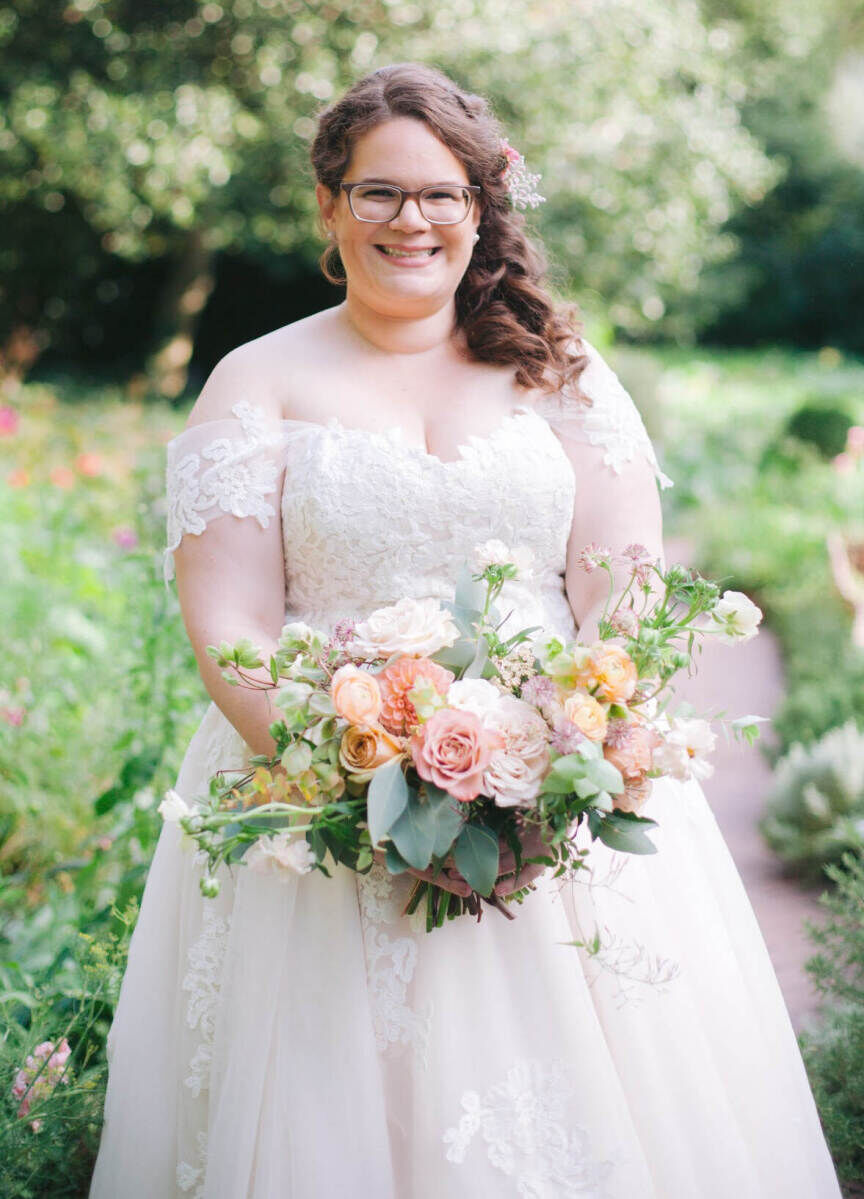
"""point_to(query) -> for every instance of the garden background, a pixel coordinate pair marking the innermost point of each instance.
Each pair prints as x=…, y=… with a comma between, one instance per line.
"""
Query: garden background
x=703, y=164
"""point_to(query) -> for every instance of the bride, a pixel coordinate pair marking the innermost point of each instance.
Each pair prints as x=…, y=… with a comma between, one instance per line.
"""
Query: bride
x=297, y=1037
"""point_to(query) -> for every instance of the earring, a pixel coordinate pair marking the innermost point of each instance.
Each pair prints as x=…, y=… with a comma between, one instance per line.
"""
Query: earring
x=476, y=238
x=331, y=235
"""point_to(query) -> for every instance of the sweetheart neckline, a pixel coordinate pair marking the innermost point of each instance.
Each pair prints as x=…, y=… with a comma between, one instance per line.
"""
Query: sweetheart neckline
x=463, y=449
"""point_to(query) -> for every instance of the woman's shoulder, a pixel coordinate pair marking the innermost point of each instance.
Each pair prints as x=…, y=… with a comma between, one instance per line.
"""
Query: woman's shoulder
x=265, y=372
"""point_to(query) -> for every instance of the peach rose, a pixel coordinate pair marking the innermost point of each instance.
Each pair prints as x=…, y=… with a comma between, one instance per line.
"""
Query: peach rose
x=363, y=750
x=355, y=694
x=586, y=713
x=635, y=792
x=610, y=670
x=452, y=750
x=398, y=715
x=630, y=746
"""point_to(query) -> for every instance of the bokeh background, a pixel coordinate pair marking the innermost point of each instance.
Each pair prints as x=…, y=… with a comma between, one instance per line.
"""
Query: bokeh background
x=703, y=164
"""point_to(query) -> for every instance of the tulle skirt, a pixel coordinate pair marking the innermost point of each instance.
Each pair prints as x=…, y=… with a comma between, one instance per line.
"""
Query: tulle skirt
x=298, y=1038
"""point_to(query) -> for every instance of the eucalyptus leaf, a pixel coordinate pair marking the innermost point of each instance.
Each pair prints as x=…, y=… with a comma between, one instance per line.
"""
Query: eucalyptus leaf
x=629, y=840
x=476, y=857
x=464, y=618
x=414, y=832
x=396, y=864
x=457, y=656
x=385, y=799
x=449, y=818
x=469, y=593
x=474, y=669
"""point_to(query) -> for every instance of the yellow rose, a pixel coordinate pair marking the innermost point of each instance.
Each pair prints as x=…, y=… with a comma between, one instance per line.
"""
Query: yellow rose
x=363, y=750
x=587, y=714
x=355, y=694
x=610, y=670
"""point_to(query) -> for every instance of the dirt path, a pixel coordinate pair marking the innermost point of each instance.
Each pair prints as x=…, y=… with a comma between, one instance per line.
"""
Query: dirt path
x=736, y=792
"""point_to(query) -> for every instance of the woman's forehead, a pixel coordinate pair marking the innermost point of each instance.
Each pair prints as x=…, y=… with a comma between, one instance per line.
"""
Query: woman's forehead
x=407, y=152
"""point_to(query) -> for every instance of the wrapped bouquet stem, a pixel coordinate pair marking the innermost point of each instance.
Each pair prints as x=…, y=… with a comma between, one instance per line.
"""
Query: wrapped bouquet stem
x=422, y=739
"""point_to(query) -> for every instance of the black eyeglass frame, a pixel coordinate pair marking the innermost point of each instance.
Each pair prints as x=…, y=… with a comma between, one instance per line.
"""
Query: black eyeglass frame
x=473, y=188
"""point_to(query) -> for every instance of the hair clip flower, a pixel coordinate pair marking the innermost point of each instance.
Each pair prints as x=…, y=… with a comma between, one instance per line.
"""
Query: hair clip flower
x=520, y=181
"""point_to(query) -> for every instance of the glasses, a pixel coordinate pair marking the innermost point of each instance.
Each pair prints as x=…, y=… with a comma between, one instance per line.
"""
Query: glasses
x=439, y=203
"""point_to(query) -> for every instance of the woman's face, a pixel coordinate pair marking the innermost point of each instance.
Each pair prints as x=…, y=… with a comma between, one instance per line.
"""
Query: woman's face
x=406, y=152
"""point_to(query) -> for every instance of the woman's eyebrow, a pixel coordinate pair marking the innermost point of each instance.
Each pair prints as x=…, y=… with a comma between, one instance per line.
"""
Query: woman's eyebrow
x=437, y=183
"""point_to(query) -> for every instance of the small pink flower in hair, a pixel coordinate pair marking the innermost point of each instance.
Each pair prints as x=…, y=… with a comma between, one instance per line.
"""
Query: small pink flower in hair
x=521, y=183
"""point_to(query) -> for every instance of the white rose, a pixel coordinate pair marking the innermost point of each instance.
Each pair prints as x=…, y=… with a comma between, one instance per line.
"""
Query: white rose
x=513, y=781
x=474, y=695
x=734, y=618
x=172, y=807
x=496, y=553
x=682, y=751
x=284, y=851
x=411, y=626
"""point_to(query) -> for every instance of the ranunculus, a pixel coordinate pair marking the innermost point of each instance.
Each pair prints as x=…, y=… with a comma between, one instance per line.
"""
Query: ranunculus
x=611, y=670
x=356, y=695
x=410, y=626
x=586, y=713
x=398, y=715
x=173, y=806
x=284, y=851
x=734, y=618
x=452, y=750
x=629, y=746
x=680, y=752
x=363, y=750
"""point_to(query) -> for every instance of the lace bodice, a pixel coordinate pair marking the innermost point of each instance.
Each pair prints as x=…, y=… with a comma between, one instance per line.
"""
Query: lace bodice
x=367, y=517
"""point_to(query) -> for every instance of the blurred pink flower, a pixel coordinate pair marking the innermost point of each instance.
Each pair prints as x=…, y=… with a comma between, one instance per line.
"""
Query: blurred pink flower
x=14, y=716
x=8, y=421
x=844, y=464
x=43, y=1069
x=89, y=464
x=18, y=477
x=855, y=441
x=125, y=537
x=62, y=476
x=592, y=555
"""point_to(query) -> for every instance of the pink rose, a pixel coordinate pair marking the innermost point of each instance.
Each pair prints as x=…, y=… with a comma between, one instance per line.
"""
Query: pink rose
x=452, y=750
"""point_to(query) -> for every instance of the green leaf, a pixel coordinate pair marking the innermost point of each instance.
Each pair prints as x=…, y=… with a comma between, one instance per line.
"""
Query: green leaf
x=465, y=619
x=469, y=593
x=414, y=832
x=617, y=835
x=476, y=856
x=474, y=669
x=385, y=799
x=449, y=818
x=457, y=656
x=396, y=864
x=604, y=774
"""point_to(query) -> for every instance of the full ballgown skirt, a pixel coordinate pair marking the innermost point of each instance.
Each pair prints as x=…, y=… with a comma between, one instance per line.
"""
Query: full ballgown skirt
x=297, y=1038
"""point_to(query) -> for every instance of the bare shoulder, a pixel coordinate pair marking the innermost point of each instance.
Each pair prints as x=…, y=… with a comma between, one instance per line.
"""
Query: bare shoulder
x=263, y=371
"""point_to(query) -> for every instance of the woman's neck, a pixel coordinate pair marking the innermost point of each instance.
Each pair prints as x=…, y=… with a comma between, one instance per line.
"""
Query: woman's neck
x=401, y=335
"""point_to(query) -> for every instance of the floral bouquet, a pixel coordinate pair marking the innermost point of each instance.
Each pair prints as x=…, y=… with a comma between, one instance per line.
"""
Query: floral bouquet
x=420, y=739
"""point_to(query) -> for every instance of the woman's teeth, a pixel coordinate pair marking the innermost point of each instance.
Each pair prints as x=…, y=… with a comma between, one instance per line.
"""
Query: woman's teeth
x=394, y=253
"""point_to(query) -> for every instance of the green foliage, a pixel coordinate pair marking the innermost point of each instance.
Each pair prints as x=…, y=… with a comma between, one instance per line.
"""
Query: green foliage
x=834, y=1053
x=815, y=809
x=822, y=425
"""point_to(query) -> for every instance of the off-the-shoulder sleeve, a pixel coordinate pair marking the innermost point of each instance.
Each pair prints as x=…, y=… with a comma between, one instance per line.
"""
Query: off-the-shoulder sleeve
x=228, y=467
x=612, y=421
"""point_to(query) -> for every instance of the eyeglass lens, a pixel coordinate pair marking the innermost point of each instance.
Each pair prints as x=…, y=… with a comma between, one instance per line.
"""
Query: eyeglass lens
x=439, y=205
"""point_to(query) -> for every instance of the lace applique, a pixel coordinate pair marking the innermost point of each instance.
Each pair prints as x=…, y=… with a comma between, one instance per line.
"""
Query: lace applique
x=239, y=476
x=524, y=1124
x=188, y=1175
x=390, y=965
x=205, y=957
x=612, y=422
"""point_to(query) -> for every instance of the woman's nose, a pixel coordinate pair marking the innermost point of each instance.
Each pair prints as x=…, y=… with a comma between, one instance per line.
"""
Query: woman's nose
x=410, y=217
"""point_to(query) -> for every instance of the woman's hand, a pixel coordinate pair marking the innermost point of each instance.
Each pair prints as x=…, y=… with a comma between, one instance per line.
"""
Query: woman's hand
x=533, y=846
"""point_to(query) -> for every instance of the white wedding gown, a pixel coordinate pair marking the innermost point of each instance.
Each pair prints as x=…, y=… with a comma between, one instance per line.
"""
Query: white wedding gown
x=296, y=1038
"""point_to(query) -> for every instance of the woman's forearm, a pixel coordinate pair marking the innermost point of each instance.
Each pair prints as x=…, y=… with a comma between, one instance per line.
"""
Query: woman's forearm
x=250, y=711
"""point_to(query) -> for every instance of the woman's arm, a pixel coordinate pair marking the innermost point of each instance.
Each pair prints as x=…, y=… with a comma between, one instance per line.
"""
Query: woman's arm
x=231, y=577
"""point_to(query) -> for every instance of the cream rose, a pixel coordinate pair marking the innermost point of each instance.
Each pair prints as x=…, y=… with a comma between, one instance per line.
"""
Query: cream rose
x=734, y=618
x=411, y=626
x=356, y=695
x=282, y=852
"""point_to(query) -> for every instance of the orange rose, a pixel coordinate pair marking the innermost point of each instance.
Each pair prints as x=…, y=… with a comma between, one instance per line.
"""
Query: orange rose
x=610, y=670
x=587, y=714
x=355, y=694
x=633, y=796
x=398, y=714
x=363, y=750
x=630, y=746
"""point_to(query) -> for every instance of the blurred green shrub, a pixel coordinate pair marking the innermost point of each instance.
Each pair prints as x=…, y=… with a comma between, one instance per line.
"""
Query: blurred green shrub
x=834, y=1053
x=815, y=809
x=823, y=425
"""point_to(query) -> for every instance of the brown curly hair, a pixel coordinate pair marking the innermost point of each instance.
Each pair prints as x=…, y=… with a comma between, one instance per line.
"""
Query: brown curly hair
x=506, y=314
